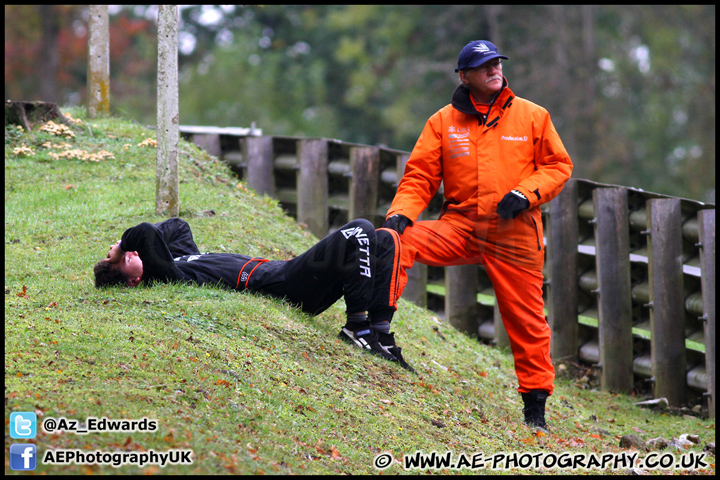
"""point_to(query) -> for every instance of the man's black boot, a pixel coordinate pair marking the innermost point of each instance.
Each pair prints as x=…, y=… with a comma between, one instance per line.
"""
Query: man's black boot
x=534, y=409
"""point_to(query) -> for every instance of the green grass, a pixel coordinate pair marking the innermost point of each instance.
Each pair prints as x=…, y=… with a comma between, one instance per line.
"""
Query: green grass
x=250, y=384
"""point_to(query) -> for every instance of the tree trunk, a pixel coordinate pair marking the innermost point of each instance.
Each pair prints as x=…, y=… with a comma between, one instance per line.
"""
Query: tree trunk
x=29, y=114
x=98, y=66
x=492, y=14
x=49, y=53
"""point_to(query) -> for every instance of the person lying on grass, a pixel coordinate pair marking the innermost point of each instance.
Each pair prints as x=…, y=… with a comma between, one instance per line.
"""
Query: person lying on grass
x=356, y=261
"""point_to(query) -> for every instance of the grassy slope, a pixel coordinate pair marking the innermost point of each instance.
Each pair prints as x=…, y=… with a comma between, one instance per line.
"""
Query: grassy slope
x=248, y=383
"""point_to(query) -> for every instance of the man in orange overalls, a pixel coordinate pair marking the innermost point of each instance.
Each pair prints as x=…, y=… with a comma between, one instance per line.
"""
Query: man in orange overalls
x=500, y=158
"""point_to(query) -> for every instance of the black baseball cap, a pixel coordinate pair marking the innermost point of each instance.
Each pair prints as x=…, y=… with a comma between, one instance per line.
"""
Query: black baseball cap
x=476, y=53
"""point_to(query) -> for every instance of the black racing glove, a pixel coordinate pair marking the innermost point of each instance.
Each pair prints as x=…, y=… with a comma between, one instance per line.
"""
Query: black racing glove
x=512, y=204
x=397, y=222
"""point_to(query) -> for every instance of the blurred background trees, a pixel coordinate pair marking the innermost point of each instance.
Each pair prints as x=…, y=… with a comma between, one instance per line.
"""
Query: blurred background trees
x=631, y=89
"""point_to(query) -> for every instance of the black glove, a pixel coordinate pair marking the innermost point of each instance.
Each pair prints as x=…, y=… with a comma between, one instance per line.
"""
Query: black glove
x=397, y=222
x=512, y=204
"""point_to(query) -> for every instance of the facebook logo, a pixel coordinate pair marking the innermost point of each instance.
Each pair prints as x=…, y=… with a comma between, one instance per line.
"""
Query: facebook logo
x=23, y=456
x=23, y=425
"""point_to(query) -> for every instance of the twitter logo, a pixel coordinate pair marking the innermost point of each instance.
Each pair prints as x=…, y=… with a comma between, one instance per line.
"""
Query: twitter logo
x=23, y=425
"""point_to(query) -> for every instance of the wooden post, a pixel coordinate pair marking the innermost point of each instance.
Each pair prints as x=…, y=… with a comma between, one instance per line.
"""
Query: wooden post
x=168, y=114
x=461, y=297
x=706, y=227
x=259, y=161
x=502, y=340
x=667, y=312
x=416, y=288
x=210, y=142
x=365, y=173
x=98, y=70
x=400, y=166
x=612, y=262
x=312, y=185
x=563, y=283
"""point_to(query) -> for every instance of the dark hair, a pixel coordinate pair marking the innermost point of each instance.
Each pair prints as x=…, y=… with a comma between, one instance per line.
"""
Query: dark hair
x=108, y=274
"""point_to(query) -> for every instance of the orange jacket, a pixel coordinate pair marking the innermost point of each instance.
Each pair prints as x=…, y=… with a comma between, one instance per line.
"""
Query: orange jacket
x=480, y=160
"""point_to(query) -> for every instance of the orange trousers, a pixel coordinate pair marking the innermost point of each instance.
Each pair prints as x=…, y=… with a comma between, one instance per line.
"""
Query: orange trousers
x=517, y=283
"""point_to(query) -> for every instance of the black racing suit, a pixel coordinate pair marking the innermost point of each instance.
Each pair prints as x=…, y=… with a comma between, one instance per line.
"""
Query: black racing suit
x=356, y=261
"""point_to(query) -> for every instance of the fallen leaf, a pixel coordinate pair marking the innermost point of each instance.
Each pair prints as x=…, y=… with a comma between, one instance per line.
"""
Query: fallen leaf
x=23, y=293
x=334, y=453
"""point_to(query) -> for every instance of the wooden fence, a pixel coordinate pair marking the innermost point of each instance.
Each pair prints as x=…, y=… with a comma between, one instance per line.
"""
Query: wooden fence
x=629, y=275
